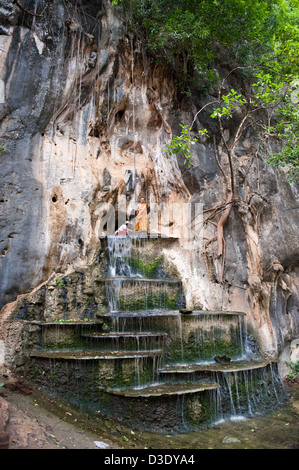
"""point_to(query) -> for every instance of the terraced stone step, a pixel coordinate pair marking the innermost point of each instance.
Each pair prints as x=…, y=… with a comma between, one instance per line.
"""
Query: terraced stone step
x=233, y=366
x=94, y=355
x=167, y=312
x=159, y=390
x=141, y=234
x=124, y=341
x=63, y=322
x=141, y=280
x=116, y=334
x=142, y=313
x=138, y=313
x=132, y=294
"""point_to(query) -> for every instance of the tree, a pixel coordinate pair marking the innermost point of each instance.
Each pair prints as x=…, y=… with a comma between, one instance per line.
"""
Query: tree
x=259, y=38
x=277, y=101
x=258, y=42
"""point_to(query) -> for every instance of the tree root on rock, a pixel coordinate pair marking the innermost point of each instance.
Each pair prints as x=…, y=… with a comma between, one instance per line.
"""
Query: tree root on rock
x=221, y=245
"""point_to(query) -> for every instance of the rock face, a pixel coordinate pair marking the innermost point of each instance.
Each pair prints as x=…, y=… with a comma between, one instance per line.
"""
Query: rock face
x=85, y=120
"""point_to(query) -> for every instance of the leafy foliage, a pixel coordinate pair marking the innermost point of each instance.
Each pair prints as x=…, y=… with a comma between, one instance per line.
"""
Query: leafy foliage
x=182, y=144
x=282, y=97
x=229, y=104
x=260, y=38
x=294, y=372
x=197, y=28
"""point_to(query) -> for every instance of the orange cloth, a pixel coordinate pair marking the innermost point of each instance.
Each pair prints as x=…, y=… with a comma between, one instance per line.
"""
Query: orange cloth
x=141, y=219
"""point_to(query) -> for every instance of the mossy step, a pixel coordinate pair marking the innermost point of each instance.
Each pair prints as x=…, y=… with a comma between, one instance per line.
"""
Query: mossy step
x=116, y=334
x=215, y=312
x=158, y=390
x=72, y=322
x=141, y=313
x=94, y=355
x=165, y=312
x=145, y=280
x=233, y=366
x=141, y=234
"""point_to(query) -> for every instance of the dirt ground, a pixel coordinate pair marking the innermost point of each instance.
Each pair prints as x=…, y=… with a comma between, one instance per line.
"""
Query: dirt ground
x=33, y=421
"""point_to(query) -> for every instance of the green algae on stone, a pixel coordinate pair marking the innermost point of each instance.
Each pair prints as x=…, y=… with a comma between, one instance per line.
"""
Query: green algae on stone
x=148, y=269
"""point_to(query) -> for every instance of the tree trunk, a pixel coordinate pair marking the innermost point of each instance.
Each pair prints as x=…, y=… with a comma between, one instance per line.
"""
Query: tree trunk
x=221, y=223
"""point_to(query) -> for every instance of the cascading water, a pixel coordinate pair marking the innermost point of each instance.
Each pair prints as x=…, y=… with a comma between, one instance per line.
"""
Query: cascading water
x=196, y=341
x=128, y=285
x=248, y=392
x=191, y=369
x=119, y=252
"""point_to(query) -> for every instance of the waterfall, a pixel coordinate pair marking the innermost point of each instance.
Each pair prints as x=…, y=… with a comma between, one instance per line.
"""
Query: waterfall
x=128, y=286
x=112, y=290
x=119, y=252
x=248, y=392
x=192, y=368
x=277, y=384
x=246, y=352
x=229, y=388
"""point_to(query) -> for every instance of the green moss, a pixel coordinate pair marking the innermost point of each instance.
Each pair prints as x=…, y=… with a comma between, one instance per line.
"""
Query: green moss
x=32, y=371
x=201, y=409
x=137, y=373
x=68, y=343
x=147, y=269
x=178, y=351
x=159, y=299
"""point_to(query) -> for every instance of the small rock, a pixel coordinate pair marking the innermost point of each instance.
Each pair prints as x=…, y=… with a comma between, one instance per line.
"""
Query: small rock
x=222, y=359
x=231, y=440
x=101, y=445
x=18, y=386
x=184, y=311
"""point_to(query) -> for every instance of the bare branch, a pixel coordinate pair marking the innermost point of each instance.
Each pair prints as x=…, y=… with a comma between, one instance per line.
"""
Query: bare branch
x=24, y=9
x=239, y=133
x=217, y=159
x=221, y=224
x=201, y=109
x=229, y=159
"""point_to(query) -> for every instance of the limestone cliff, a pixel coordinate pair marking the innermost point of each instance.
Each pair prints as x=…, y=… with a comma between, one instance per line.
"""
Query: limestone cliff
x=85, y=118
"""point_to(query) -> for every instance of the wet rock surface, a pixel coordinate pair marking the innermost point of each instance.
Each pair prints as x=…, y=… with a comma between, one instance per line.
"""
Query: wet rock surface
x=35, y=422
x=85, y=119
x=28, y=422
x=81, y=127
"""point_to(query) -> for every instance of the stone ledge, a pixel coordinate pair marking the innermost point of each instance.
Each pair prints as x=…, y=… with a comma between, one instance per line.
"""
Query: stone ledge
x=162, y=390
x=234, y=366
x=94, y=355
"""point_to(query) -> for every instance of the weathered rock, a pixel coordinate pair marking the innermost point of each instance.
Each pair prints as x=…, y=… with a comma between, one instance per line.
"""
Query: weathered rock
x=185, y=311
x=101, y=445
x=82, y=127
x=4, y=440
x=296, y=406
x=222, y=359
x=18, y=386
x=231, y=440
x=4, y=414
x=294, y=356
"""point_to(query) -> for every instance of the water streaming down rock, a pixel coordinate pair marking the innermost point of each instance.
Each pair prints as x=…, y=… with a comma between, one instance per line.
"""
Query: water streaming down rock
x=249, y=392
x=191, y=369
x=129, y=287
x=200, y=339
x=119, y=252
